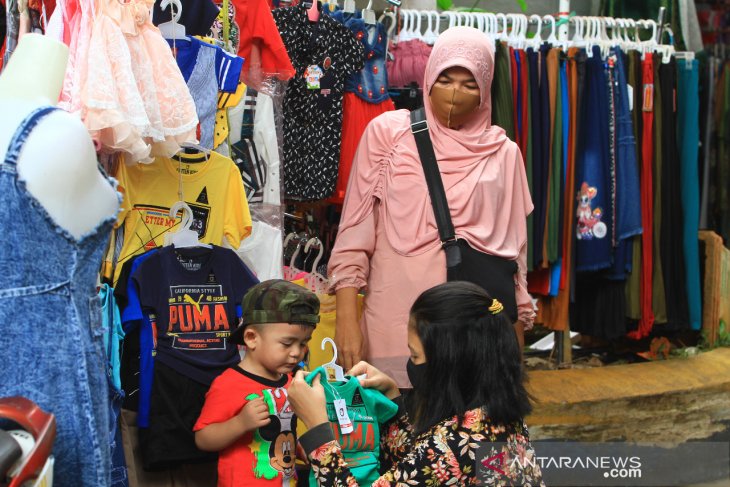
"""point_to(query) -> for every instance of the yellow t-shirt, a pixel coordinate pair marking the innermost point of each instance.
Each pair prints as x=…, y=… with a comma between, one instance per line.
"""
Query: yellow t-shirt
x=213, y=189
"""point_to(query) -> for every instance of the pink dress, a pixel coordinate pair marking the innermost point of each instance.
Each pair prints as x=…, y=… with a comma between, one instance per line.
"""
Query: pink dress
x=124, y=82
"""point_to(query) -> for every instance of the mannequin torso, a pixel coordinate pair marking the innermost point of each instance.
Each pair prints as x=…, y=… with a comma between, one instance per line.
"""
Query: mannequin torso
x=58, y=160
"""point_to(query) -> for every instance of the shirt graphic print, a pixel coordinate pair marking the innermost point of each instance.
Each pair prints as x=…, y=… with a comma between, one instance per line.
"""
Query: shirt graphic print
x=267, y=455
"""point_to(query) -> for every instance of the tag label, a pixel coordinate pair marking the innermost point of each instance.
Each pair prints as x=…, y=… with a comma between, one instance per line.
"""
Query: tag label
x=313, y=74
x=342, y=417
x=630, y=89
x=331, y=374
x=648, y=103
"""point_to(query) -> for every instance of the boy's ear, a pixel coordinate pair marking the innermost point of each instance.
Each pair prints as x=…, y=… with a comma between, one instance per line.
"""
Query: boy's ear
x=251, y=337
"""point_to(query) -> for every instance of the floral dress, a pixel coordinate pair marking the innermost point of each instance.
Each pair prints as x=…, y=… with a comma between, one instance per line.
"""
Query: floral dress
x=449, y=453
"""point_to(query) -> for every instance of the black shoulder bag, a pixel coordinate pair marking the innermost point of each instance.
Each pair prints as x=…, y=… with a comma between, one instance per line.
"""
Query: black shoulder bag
x=463, y=263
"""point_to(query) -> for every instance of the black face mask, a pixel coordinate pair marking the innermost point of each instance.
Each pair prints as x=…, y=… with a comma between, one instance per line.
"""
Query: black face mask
x=416, y=373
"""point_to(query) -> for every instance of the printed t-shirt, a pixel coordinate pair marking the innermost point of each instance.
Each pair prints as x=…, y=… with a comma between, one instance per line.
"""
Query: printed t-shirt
x=262, y=457
x=194, y=294
x=213, y=189
x=367, y=410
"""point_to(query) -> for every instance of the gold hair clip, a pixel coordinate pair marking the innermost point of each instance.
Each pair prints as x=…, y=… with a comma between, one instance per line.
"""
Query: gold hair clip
x=496, y=307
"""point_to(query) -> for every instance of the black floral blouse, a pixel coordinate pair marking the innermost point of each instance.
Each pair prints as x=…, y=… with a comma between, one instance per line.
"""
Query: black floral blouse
x=313, y=111
x=446, y=454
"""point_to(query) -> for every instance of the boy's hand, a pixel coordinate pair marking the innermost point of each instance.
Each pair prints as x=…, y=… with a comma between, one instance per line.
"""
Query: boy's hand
x=254, y=414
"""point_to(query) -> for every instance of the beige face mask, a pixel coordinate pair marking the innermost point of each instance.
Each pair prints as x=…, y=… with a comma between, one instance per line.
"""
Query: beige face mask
x=453, y=107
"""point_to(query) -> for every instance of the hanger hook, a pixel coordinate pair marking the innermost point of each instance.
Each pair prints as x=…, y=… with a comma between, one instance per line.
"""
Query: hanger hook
x=334, y=349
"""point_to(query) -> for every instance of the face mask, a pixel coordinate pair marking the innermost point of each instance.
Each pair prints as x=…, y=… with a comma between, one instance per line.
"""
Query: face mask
x=416, y=373
x=453, y=107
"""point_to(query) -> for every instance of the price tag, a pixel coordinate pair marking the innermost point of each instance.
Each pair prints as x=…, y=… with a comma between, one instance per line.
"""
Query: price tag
x=342, y=417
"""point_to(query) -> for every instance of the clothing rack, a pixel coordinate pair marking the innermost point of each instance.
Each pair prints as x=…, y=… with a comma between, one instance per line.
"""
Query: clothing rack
x=425, y=25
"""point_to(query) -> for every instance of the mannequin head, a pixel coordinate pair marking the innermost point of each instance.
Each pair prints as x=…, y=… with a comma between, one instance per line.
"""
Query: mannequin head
x=455, y=97
x=35, y=70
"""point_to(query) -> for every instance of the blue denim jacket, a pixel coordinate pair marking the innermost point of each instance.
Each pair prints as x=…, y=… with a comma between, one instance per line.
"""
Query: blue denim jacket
x=52, y=349
x=371, y=82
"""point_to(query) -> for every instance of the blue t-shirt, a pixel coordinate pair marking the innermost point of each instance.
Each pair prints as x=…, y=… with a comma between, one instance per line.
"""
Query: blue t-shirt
x=133, y=317
x=194, y=294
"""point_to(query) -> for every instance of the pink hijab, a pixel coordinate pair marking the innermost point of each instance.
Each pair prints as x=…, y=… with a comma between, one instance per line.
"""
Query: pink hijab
x=481, y=168
x=468, y=48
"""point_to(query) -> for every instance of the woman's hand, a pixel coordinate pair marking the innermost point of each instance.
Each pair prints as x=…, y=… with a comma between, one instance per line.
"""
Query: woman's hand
x=375, y=379
x=350, y=343
x=348, y=335
x=308, y=402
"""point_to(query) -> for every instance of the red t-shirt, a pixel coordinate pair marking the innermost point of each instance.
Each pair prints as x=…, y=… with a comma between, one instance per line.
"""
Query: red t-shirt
x=263, y=457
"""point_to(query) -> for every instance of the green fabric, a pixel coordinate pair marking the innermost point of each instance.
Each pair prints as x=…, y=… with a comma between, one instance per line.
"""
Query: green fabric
x=528, y=167
x=367, y=409
x=659, y=302
x=502, y=102
x=554, y=224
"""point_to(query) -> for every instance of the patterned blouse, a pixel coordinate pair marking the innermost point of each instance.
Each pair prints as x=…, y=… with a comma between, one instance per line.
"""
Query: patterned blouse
x=448, y=453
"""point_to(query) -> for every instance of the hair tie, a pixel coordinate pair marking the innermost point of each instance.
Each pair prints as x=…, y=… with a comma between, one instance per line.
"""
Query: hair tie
x=496, y=307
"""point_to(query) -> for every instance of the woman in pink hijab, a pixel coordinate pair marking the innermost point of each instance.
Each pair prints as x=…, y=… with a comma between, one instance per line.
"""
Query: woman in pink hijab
x=388, y=243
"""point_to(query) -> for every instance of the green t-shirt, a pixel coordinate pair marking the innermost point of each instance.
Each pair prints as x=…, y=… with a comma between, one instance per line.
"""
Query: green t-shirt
x=367, y=410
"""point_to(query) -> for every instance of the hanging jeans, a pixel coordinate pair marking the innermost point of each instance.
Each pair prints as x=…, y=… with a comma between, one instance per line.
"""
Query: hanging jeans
x=52, y=344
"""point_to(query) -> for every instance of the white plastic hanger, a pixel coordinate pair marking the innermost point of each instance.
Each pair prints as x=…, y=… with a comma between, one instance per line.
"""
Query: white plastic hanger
x=387, y=14
x=333, y=370
x=291, y=272
x=452, y=19
x=368, y=14
x=492, y=26
x=419, y=33
x=413, y=31
x=551, y=38
x=349, y=7
x=315, y=282
x=580, y=29
x=536, y=41
x=431, y=35
x=172, y=29
x=502, y=34
x=183, y=238
x=403, y=32
x=437, y=21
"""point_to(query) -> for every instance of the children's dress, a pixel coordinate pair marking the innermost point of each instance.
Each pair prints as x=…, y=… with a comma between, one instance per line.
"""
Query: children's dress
x=123, y=81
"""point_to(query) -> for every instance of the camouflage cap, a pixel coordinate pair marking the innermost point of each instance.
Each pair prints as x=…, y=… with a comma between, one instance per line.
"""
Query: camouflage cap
x=277, y=301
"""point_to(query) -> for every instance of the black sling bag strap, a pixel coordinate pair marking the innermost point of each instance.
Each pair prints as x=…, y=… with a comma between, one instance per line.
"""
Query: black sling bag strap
x=463, y=263
x=419, y=128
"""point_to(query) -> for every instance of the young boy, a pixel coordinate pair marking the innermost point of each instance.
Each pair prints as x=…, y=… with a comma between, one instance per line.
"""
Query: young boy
x=246, y=416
